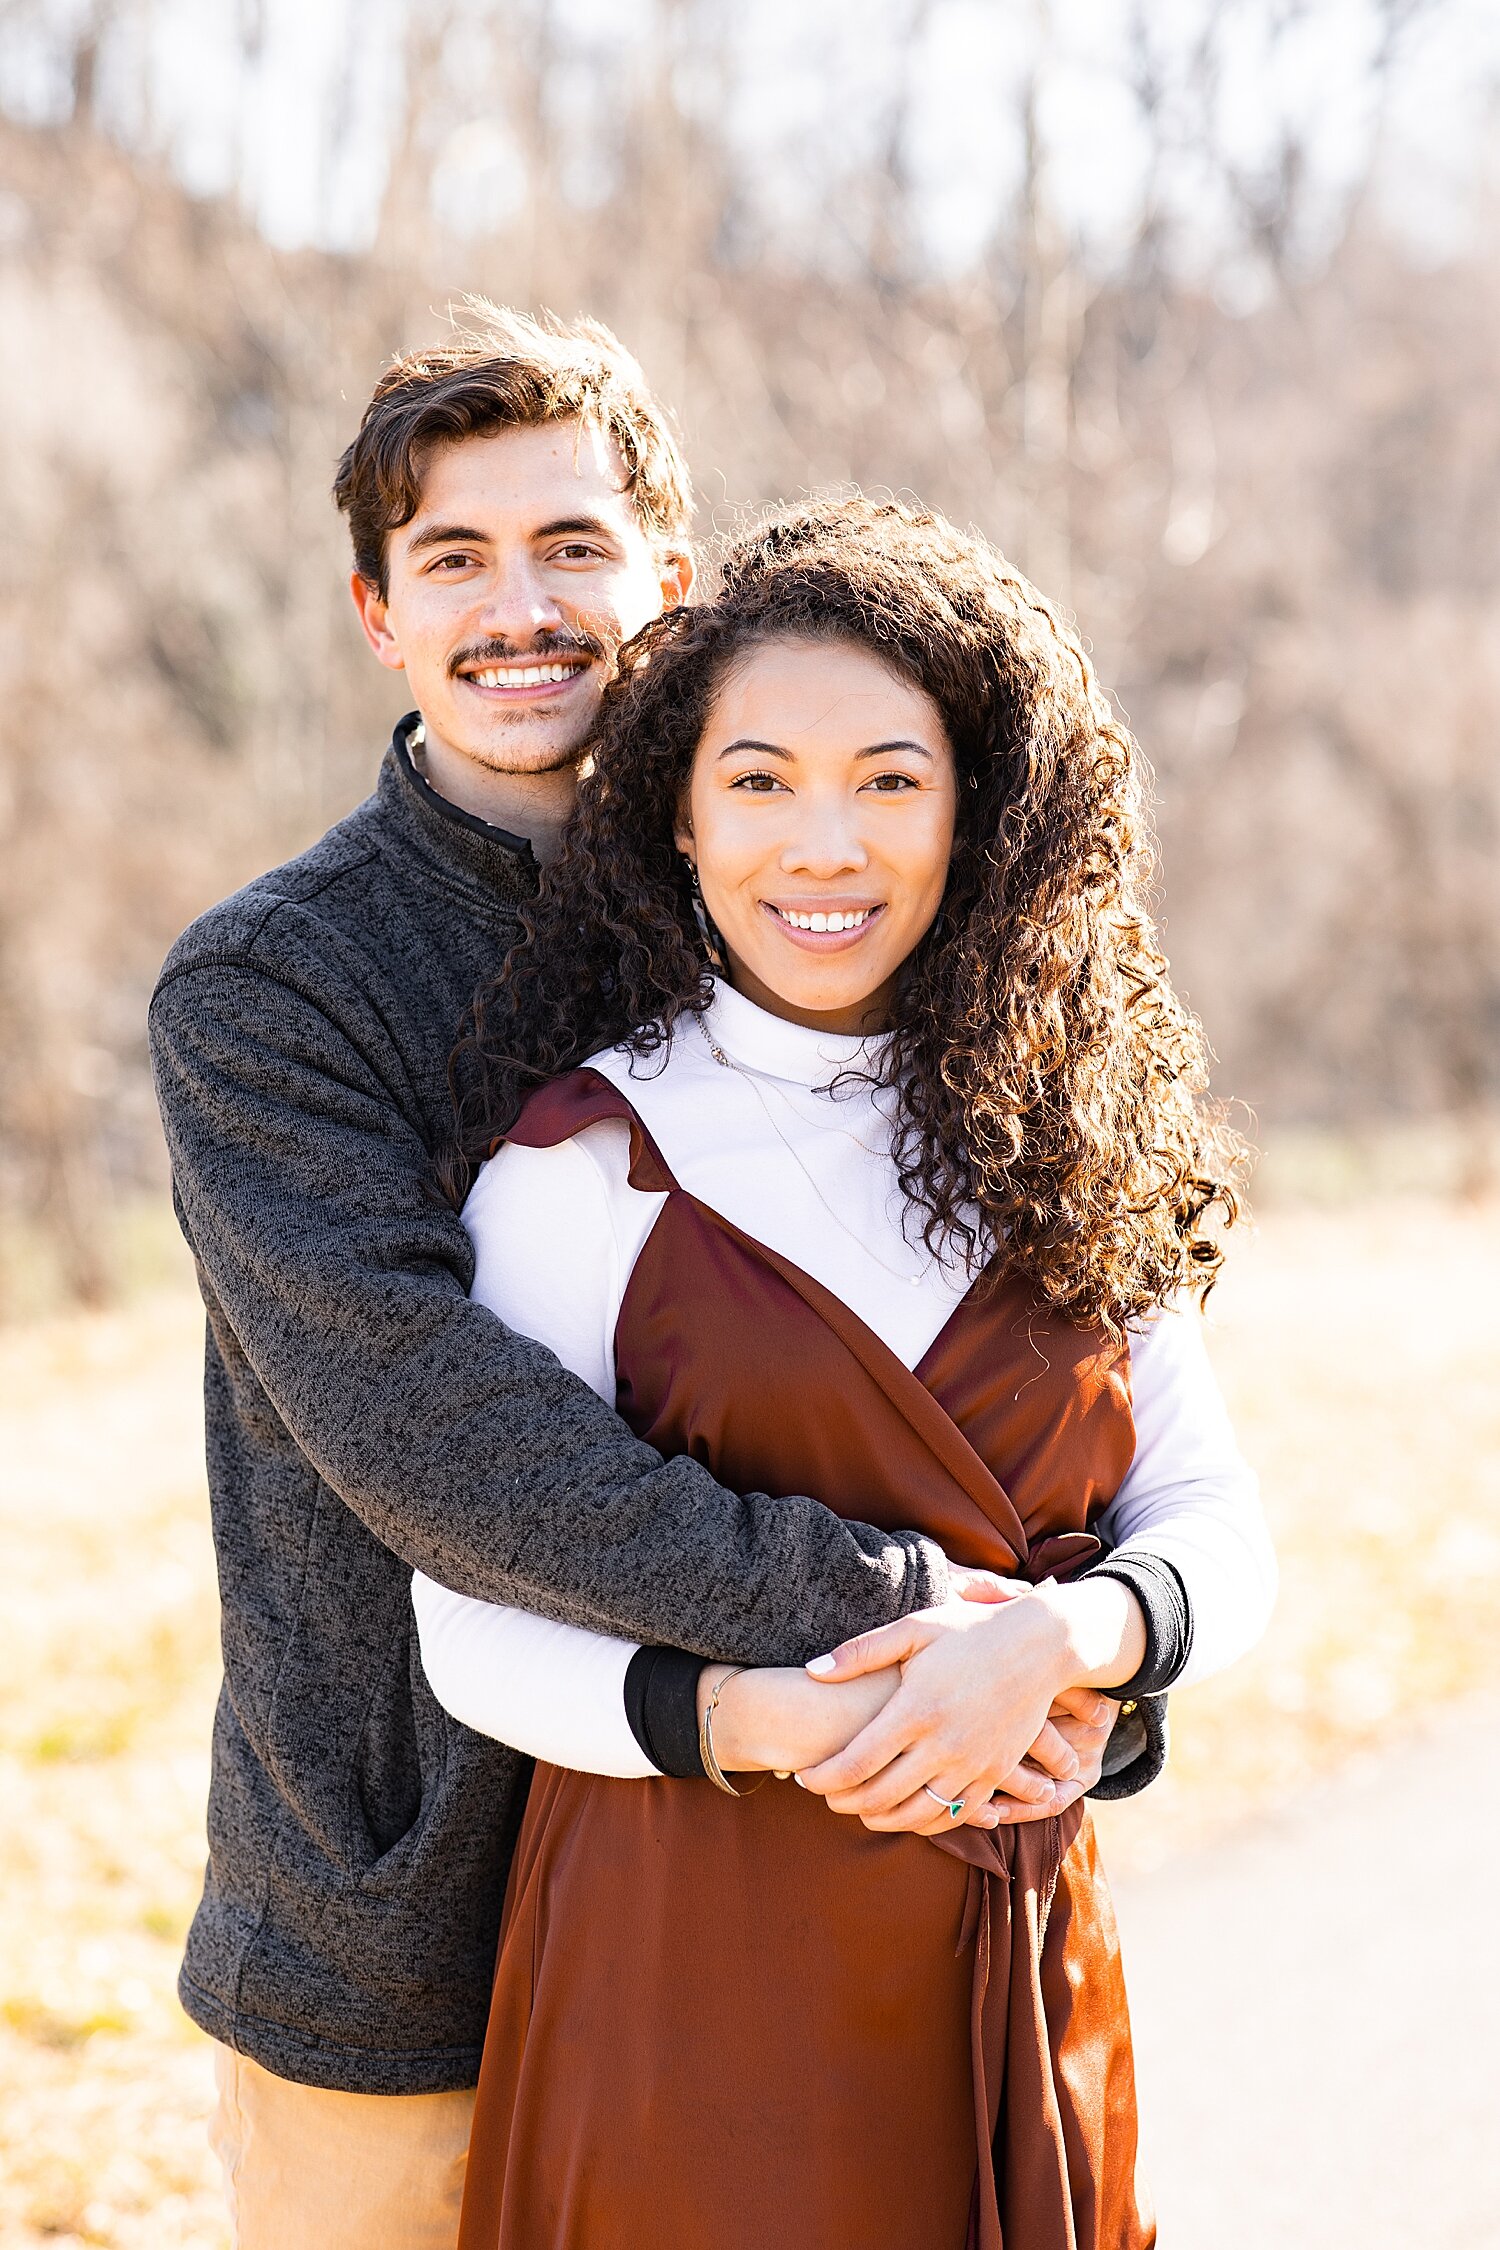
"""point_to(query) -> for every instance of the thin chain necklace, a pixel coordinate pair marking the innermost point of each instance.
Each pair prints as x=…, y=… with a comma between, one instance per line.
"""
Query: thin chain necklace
x=752, y=1078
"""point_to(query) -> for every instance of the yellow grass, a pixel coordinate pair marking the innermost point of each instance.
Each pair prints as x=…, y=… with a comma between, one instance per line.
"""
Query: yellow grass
x=1361, y=1351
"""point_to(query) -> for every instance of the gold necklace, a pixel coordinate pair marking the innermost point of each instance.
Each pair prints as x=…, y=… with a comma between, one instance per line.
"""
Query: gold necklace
x=752, y=1078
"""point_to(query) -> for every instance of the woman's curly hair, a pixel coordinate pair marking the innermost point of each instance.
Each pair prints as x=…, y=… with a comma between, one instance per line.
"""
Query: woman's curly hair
x=1043, y=1070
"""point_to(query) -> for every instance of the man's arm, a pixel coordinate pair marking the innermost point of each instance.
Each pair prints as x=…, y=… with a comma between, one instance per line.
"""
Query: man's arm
x=307, y=1196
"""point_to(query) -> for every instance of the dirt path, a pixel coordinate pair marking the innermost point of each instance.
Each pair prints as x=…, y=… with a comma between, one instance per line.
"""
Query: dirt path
x=1317, y=2014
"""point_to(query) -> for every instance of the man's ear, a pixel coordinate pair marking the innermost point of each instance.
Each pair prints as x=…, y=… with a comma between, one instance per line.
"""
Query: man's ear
x=677, y=574
x=375, y=618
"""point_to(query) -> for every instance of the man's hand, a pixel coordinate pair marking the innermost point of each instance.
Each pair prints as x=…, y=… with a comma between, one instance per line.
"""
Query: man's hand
x=966, y=1584
x=1085, y=1721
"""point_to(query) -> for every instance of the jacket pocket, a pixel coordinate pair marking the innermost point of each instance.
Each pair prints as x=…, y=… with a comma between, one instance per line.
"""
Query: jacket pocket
x=396, y=1772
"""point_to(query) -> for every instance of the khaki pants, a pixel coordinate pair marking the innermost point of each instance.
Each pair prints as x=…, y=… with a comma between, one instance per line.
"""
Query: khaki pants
x=306, y=2169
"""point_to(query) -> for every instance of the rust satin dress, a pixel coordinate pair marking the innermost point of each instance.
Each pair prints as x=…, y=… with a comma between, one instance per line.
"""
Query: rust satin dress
x=752, y=2024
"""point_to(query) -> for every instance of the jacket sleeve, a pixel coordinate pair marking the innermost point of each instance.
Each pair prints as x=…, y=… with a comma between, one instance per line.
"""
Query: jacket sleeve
x=307, y=1196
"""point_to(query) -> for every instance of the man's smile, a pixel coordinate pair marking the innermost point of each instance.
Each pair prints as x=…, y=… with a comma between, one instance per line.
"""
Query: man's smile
x=533, y=682
x=522, y=675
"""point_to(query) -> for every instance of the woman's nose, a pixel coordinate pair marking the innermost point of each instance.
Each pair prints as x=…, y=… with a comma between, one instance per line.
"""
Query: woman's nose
x=824, y=844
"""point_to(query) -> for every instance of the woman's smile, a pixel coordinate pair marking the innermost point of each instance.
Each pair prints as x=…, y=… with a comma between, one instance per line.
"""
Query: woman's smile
x=828, y=936
x=819, y=823
x=830, y=926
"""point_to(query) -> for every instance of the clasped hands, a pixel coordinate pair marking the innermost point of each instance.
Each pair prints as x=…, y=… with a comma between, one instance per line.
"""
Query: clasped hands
x=990, y=1698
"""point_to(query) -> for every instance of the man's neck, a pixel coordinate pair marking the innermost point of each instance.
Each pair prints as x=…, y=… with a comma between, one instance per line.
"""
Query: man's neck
x=533, y=805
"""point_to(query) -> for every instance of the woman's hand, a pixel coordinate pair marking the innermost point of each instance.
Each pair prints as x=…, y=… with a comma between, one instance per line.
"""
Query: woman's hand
x=1085, y=1721
x=775, y=1718
x=970, y=1718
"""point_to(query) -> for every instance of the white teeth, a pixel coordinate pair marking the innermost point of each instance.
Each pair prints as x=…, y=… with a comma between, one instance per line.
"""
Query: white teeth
x=832, y=923
x=526, y=675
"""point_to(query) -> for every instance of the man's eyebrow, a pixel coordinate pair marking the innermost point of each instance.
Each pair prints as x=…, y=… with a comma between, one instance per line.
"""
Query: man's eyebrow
x=595, y=525
x=446, y=534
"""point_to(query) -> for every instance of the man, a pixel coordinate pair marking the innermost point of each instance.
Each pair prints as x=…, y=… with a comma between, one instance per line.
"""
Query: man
x=517, y=507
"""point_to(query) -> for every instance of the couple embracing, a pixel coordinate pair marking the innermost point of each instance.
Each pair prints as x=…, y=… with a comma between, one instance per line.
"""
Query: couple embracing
x=698, y=1187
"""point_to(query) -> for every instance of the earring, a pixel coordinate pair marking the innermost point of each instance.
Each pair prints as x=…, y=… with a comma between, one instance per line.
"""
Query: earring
x=712, y=943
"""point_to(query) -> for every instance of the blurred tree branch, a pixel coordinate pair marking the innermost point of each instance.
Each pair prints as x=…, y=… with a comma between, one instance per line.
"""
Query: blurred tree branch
x=1275, y=511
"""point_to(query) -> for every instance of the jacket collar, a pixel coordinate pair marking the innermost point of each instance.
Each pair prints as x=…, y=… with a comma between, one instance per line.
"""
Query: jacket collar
x=490, y=860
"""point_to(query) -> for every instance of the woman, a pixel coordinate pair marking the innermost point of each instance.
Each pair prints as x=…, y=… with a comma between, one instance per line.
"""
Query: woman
x=841, y=1084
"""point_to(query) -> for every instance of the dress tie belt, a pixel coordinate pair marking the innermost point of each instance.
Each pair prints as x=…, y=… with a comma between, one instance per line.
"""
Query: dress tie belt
x=1008, y=1869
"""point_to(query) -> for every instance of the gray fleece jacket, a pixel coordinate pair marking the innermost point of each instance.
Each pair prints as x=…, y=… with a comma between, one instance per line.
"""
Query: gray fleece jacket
x=364, y=1416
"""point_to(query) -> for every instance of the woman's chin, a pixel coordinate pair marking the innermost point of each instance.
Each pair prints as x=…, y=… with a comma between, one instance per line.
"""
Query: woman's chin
x=838, y=1004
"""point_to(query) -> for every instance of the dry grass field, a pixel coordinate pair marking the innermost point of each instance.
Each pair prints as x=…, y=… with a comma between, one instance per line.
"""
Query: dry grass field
x=1361, y=1349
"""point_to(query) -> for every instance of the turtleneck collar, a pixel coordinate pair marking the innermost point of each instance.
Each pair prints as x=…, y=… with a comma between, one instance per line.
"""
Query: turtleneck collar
x=501, y=865
x=778, y=1049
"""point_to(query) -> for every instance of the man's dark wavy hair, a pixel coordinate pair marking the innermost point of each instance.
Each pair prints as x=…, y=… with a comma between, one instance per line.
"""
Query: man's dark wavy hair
x=498, y=369
x=1043, y=1069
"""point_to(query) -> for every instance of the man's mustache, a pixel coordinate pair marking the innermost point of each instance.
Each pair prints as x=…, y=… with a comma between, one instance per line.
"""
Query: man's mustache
x=546, y=648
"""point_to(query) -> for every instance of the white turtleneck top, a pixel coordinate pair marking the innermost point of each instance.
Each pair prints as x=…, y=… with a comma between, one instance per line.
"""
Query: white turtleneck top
x=804, y=1166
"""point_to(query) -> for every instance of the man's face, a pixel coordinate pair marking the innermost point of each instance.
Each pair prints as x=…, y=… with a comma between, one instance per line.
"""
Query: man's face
x=511, y=589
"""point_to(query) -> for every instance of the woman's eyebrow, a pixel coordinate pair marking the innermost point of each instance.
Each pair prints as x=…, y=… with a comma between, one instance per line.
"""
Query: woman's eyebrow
x=872, y=750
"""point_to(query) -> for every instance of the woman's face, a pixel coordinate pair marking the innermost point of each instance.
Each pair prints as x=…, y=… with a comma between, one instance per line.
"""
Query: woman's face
x=820, y=819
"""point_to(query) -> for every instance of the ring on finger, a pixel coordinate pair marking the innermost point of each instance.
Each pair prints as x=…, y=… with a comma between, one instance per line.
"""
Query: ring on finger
x=952, y=1806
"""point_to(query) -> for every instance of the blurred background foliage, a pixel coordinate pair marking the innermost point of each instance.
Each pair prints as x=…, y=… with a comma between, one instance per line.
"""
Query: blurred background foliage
x=1192, y=310
x=1192, y=306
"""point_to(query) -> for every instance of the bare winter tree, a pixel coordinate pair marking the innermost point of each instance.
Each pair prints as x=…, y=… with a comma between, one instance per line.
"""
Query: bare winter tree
x=1274, y=508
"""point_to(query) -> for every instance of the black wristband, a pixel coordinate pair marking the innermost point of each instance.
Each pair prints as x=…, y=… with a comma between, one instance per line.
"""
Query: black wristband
x=1136, y=1751
x=1159, y=1589
x=661, y=1704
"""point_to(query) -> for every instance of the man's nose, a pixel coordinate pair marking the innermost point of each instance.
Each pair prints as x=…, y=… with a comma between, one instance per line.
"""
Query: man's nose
x=518, y=604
